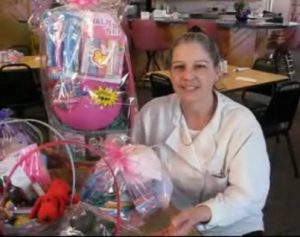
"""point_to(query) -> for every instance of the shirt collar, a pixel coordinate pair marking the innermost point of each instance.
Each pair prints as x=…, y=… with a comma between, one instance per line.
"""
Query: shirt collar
x=212, y=126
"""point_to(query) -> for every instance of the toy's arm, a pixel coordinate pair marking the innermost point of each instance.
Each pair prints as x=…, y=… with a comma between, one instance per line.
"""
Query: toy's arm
x=36, y=207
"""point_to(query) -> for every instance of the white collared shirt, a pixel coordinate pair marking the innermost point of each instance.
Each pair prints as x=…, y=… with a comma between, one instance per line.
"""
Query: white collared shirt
x=226, y=167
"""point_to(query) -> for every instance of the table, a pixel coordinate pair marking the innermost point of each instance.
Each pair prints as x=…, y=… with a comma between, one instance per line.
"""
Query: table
x=34, y=62
x=230, y=83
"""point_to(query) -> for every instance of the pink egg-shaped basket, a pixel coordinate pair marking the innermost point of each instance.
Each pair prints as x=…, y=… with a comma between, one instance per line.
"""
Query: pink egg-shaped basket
x=85, y=114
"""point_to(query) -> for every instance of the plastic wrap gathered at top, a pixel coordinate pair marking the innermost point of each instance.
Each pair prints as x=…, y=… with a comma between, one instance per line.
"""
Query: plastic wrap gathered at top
x=87, y=77
x=144, y=185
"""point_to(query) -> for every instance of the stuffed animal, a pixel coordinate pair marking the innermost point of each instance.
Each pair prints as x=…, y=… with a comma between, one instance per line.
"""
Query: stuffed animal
x=51, y=206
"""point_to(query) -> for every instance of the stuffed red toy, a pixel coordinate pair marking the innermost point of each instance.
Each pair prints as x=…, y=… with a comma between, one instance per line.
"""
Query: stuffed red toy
x=51, y=206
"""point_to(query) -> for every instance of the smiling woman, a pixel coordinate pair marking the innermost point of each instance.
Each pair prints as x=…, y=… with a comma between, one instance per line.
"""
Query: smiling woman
x=193, y=77
x=212, y=147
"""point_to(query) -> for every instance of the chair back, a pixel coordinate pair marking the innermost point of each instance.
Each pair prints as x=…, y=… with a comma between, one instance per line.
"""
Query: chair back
x=284, y=61
x=147, y=36
x=160, y=85
x=283, y=106
x=207, y=26
x=266, y=65
x=17, y=85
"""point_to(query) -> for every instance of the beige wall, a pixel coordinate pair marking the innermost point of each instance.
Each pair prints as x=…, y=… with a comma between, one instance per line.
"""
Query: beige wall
x=11, y=31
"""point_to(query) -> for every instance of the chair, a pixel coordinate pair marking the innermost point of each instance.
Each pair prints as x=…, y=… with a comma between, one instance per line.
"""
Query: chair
x=284, y=61
x=284, y=42
x=207, y=26
x=277, y=117
x=148, y=37
x=266, y=65
x=18, y=88
x=25, y=49
x=160, y=85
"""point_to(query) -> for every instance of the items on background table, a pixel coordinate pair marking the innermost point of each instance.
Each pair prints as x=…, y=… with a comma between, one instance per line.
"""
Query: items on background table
x=10, y=56
x=144, y=185
x=88, y=86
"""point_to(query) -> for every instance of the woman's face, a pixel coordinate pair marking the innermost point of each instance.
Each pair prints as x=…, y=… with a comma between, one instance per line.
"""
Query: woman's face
x=192, y=71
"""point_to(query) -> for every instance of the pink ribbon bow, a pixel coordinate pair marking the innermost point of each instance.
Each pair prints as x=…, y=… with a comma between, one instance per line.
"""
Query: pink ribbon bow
x=83, y=2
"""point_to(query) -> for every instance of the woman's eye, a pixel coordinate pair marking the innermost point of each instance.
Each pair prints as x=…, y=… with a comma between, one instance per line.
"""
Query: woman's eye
x=178, y=67
x=199, y=66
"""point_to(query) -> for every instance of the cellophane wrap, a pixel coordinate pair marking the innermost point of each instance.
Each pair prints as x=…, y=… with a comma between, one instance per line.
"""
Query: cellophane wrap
x=87, y=77
x=81, y=219
x=144, y=185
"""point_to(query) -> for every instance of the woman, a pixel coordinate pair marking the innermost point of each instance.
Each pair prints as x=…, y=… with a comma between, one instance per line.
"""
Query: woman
x=212, y=147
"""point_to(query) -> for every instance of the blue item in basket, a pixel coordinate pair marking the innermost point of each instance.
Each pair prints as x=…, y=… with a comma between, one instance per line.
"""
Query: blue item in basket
x=54, y=35
x=71, y=45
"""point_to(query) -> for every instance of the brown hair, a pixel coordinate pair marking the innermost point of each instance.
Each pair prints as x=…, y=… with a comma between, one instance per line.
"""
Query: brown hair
x=202, y=39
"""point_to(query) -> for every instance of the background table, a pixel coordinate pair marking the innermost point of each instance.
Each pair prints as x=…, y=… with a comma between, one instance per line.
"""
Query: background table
x=229, y=82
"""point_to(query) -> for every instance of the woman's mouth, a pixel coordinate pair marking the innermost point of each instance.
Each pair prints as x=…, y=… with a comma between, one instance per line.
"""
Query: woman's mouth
x=189, y=88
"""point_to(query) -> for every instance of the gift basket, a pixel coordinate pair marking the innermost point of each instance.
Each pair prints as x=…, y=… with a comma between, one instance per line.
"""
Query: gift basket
x=126, y=185
x=39, y=200
x=144, y=185
x=86, y=77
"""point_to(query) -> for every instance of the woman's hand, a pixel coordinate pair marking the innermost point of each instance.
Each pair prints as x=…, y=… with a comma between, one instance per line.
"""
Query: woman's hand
x=183, y=223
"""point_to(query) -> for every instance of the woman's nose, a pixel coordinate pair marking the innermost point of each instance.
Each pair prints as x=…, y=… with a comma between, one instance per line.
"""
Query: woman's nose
x=188, y=74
